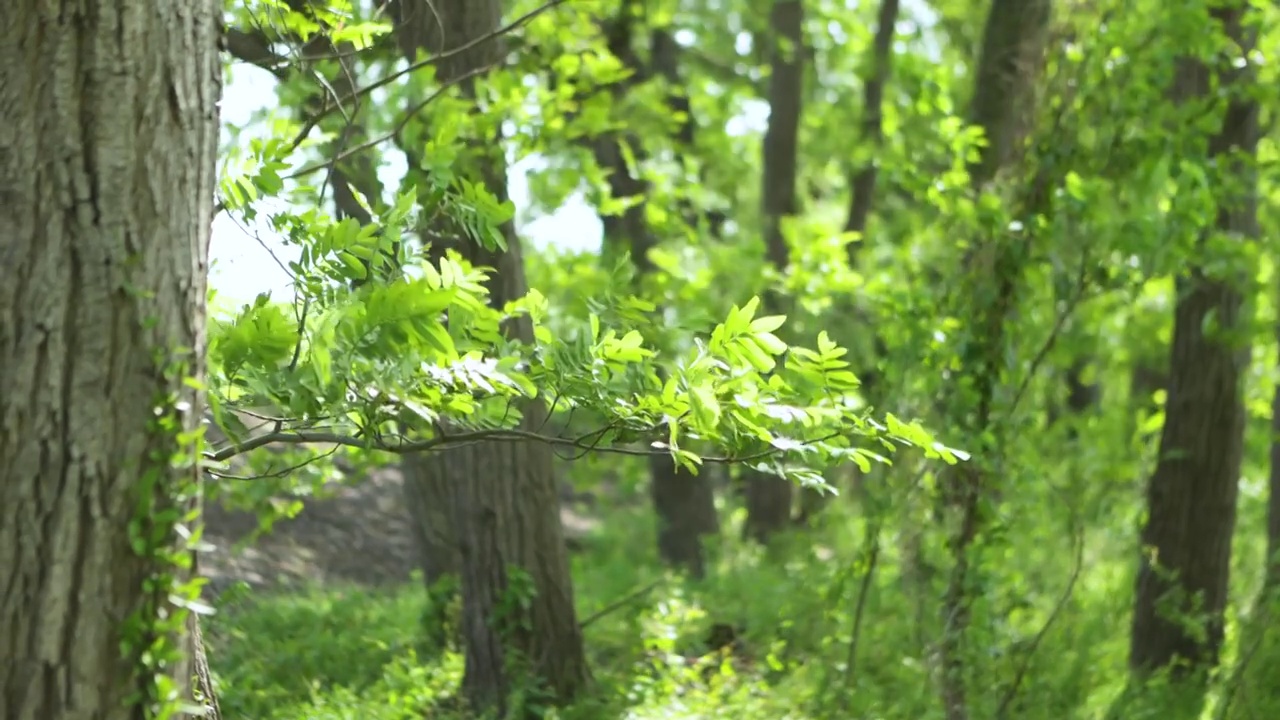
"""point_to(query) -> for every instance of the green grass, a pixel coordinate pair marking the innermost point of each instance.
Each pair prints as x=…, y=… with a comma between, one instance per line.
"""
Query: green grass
x=329, y=653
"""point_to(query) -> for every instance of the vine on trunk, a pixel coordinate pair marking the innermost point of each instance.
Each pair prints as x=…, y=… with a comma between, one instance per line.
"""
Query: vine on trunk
x=165, y=531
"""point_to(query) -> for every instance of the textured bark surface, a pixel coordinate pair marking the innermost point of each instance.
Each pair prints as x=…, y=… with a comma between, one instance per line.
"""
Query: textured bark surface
x=502, y=494
x=1191, y=497
x=203, y=692
x=769, y=498
x=506, y=515
x=108, y=138
x=426, y=494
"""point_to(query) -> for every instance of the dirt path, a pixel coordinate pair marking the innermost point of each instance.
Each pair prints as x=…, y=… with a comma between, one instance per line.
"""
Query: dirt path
x=361, y=535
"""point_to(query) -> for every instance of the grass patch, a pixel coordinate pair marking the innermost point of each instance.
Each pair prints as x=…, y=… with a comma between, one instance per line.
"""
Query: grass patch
x=328, y=653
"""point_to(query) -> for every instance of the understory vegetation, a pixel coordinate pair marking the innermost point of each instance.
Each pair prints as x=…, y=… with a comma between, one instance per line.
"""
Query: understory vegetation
x=878, y=359
x=927, y=349
x=768, y=635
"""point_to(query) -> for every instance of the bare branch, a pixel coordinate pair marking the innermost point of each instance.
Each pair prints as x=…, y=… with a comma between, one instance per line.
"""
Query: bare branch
x=400, y=126
x=253, y=49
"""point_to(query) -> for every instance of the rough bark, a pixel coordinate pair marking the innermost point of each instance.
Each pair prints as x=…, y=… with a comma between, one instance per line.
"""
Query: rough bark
x=1012, y=48
x=1191, y=497
x=505, y=511
x=108, y=139
x=502, y=494
x=426, y=494
x=769, y=498
x=203, y=692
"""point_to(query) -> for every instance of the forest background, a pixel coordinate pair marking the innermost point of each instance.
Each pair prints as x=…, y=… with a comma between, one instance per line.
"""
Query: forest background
x=909, y=359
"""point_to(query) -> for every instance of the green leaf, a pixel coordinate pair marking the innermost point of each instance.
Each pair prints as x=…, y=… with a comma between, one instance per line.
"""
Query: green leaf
x=767, y=323
x=440, y=341
x=705, y=406
x=352, y=265
x=769, y=343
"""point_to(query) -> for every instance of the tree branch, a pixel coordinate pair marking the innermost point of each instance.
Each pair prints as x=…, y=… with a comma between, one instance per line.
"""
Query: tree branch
x=252, y=48
x=443, y=440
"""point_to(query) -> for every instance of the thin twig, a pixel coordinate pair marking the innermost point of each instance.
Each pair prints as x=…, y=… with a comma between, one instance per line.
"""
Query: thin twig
x=619, y=604
x=1051, y=341
x=275, y=473
x=394, y=132
x=425, y=62
x=864, y=591
x=1076, y=567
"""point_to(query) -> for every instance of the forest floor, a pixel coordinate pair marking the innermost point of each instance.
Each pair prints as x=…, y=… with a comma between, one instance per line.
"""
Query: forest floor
x=361, y=535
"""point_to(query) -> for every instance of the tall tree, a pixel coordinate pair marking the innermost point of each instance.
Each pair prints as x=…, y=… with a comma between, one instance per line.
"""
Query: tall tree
x=862, y=191
x=1273, y=496
x=768, y=497
x=1012, y=48
x=1191, y=497
x=502, y=495
x=863, y=181
x=1250, y=691
x=684, y=502
x=109, y=110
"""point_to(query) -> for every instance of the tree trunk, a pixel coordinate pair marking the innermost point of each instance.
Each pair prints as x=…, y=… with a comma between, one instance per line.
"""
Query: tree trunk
x=684, y=503
x=425, y=484
x=1273, y=489
x=862, y=194
x=516, y=588
x=1191, y=498
x=1076, y=398
x=108, y=141
x=1012, y=51
x=507, y=517
x=1250, y=693
x=769, y=498
x=863, y=183
x=426, y=494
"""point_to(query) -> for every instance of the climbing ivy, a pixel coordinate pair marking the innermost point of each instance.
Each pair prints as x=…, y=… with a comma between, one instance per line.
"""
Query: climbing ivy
x=165, y=532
